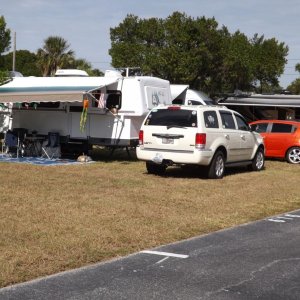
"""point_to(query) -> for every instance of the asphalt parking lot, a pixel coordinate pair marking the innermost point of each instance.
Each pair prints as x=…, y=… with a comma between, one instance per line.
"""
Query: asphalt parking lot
x=259, y=260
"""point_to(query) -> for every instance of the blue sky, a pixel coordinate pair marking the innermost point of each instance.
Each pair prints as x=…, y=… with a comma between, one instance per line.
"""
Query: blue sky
x=85, y=24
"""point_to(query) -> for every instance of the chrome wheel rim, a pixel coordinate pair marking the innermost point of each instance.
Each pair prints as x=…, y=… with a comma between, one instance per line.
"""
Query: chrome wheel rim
x=259, y=160
x=294, y=156
x=219, y=166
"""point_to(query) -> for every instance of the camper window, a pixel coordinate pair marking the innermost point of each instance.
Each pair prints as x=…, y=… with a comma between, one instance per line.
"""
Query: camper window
x=113, y=100
x=96, y=94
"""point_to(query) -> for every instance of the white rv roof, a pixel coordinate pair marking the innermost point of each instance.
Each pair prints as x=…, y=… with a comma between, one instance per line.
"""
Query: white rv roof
x=51, y=89
x=70, y=72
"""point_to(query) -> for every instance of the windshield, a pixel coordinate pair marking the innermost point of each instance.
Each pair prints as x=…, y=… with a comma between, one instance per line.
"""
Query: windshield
x=172, y=117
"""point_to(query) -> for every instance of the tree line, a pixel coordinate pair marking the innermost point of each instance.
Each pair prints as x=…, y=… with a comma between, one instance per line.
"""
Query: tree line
x=181, y=49
x=198, y=52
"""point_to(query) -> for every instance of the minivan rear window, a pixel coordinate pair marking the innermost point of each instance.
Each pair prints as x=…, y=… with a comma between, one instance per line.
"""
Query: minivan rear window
x=178, y=117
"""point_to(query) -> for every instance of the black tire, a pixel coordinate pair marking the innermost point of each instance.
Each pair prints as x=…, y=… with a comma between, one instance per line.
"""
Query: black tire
x=155, y=169
x=216, y=168
x=258, y=161
x=293, y=155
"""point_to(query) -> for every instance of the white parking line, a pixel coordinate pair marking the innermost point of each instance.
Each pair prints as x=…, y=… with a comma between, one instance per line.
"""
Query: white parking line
x=292, y=216
x=162, y=260
x=165, y=254
x=285, y=218
x=276, y=221
x=280, y=219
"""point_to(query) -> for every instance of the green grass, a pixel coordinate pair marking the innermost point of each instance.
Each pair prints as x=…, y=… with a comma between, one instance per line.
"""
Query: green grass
x=58, y=218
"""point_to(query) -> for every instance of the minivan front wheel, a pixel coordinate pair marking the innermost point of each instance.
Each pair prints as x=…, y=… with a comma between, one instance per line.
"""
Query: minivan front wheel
x=155, y=169
x=216, y=168
x=293, y=155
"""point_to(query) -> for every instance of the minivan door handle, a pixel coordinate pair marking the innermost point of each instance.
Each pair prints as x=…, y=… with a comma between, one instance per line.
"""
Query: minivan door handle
x=226, y=136
x=243, y=137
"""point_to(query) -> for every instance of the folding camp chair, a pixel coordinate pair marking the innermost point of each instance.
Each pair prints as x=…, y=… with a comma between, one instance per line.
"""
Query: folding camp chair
x=52, y=147
x=13, y=143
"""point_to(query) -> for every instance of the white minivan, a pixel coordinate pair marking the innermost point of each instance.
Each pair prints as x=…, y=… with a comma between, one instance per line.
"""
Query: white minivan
x=204, y=135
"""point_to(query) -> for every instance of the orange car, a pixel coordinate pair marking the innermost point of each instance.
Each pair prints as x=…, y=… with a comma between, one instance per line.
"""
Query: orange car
x=281, y=138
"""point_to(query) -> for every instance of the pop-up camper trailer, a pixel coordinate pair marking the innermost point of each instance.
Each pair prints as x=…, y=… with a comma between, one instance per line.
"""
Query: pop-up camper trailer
x=183, y=95
x=87, y=111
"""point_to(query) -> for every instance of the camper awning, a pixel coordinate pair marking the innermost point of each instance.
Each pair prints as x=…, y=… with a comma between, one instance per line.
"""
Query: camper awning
x=51, y=89
x=263, y=100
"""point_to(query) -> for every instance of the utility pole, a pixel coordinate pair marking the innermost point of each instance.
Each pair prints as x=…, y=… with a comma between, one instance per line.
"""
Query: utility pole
x=14, y=53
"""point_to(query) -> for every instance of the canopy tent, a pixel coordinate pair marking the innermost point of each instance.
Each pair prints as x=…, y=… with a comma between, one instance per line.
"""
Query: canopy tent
x=52, y=89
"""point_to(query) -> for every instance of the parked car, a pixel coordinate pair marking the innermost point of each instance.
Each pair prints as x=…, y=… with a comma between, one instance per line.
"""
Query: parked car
x=281, y=137
x=210, y=136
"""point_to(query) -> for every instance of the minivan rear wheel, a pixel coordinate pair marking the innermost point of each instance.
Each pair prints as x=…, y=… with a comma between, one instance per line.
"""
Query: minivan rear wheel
x=216, y=168
x=155, y=169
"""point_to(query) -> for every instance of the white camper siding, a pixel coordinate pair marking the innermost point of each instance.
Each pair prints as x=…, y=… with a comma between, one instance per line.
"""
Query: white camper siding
x=74, y=125
x=135, y=127
x=132, y=97
x=142, y=94
x=41, y=121
x=101, y=126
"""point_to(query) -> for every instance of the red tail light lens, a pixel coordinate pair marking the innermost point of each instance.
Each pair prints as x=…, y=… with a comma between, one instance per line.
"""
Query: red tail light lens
x=200, y=140
x=174, y=107
x=141, y=137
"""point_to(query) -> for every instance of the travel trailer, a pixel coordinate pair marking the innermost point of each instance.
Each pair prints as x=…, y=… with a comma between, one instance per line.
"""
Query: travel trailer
x=85, y=111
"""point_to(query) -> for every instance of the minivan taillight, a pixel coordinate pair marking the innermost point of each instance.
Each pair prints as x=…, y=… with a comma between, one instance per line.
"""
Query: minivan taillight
x=200, y=140
x=141, y=137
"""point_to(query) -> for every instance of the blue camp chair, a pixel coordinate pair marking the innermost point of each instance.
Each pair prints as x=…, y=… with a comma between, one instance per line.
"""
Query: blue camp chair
x=14, y=143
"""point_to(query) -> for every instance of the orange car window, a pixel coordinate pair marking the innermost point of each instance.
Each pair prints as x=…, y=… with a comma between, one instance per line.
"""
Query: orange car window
x=282, y=128
x=261, y=127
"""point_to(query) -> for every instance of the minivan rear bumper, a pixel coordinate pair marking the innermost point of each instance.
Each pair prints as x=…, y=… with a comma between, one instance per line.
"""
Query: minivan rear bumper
x=197, y=157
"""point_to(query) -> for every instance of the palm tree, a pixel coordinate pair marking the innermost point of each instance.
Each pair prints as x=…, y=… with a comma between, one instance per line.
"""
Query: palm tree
x=54, y=55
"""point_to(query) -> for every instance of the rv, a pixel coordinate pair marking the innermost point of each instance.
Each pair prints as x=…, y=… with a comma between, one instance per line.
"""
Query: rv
x=263, y=106
x=85, y=111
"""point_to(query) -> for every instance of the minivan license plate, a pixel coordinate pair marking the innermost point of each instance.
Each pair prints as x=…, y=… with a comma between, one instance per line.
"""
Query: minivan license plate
x=167, y=141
